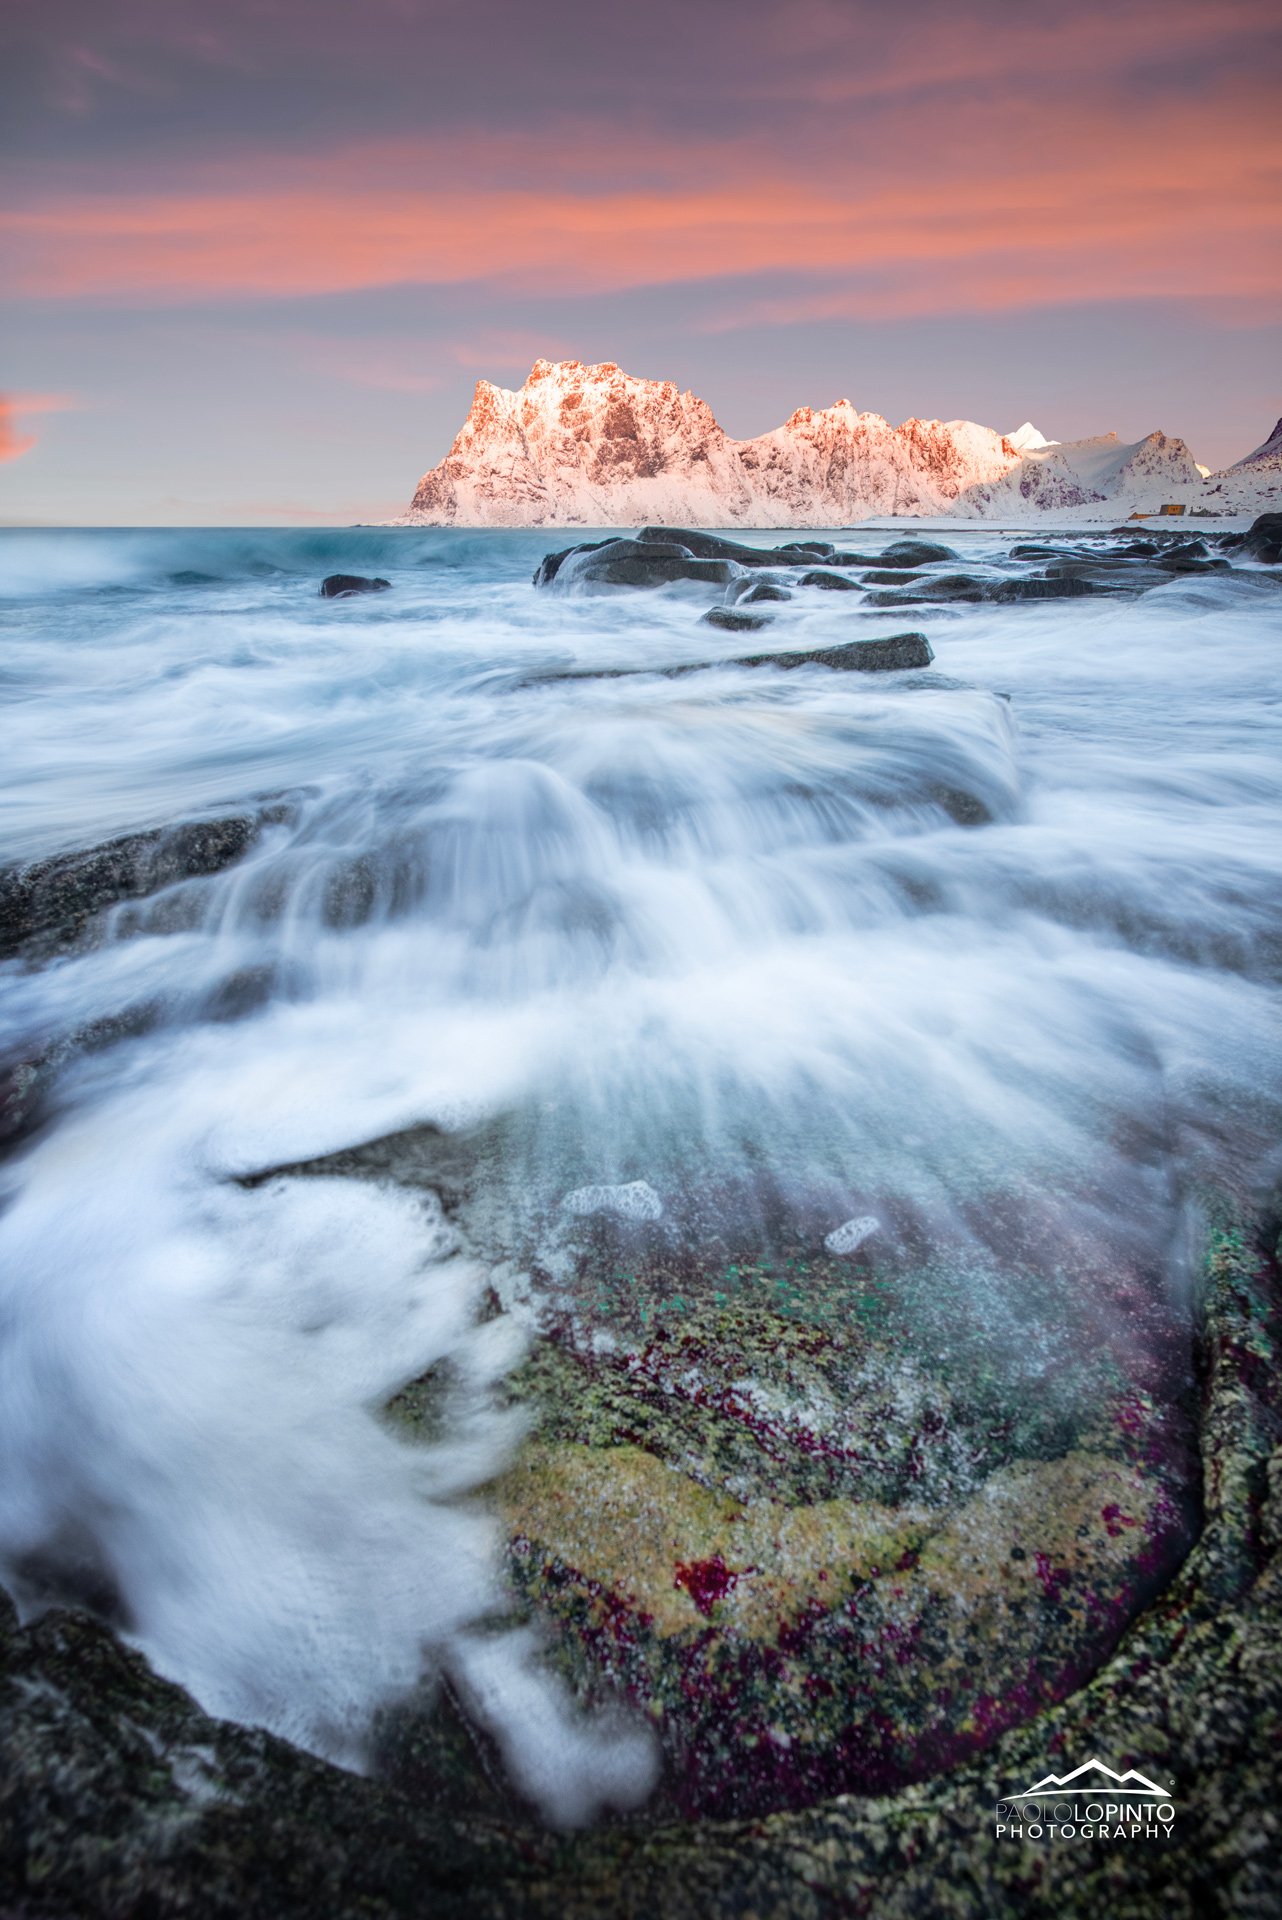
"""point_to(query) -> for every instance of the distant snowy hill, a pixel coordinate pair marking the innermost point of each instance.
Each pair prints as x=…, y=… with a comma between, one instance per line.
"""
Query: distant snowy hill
x=593, y=446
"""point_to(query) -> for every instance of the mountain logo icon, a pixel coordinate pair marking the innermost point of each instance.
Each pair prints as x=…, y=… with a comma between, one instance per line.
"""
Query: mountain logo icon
x=1094, y=1776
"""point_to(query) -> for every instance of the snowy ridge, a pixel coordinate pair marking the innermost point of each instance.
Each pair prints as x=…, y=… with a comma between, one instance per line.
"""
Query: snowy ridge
x=593, y=446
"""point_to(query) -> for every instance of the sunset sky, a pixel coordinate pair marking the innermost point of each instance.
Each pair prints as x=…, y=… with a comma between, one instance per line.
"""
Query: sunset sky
x=256, y=254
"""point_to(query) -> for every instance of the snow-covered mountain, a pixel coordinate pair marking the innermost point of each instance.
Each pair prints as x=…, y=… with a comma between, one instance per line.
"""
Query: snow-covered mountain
x=1057, y=474
x=1266, y=458
x=593, y=446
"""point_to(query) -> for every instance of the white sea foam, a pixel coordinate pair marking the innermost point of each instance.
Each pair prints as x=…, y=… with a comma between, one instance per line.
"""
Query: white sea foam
x=718, y=939
x=634, y=1200
x=851, y=1234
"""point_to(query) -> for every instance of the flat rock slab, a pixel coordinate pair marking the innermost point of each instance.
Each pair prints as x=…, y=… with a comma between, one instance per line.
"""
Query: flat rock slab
x=894, y=654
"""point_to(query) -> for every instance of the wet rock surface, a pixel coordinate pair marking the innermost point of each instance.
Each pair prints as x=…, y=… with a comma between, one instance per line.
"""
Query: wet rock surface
x=118, y=1796
x=49, y=903
x=664, y=554
x=633, y=563
x=344, y=586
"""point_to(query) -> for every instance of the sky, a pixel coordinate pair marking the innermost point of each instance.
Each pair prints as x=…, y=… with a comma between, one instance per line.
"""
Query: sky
x=255, y=255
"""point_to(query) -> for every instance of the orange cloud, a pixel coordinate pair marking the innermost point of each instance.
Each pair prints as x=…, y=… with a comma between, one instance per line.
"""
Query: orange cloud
x=977, y=215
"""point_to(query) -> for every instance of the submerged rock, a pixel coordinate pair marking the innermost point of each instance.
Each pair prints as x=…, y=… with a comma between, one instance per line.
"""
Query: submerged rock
x=342, y=586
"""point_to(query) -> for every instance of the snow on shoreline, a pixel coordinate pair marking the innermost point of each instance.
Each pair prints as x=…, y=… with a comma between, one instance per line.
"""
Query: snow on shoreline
x=581, y=446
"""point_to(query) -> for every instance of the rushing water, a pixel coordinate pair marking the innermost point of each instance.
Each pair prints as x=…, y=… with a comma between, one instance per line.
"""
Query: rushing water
x=792, y=949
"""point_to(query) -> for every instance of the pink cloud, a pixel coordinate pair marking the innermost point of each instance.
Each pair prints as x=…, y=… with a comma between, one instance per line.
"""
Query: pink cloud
x=991, y=195
x=16, y=406
x=12, y=444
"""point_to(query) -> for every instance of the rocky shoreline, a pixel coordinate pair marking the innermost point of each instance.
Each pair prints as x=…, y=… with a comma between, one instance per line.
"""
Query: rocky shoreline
x=871, y=1527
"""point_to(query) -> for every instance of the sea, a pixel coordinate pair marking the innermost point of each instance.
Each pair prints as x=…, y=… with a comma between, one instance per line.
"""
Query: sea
x=763, y=952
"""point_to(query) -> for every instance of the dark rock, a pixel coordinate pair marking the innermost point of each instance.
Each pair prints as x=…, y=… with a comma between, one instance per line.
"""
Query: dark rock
x=1048, y=589
x=609, y=550
x=643, y=572
x=1188, y=556
x=830, y=582
x=51, y=900
x=886, y=578
x=965, y=588
x=1263, y=540
x=342, y=586
x=914, y=553
x=948, y=587
x=764, y=590
x=550, y=565
x=735, y=622
x=708, y=547
x=894, y=654
x=1036, y=553
x=635, y=563
x=121, y=1797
